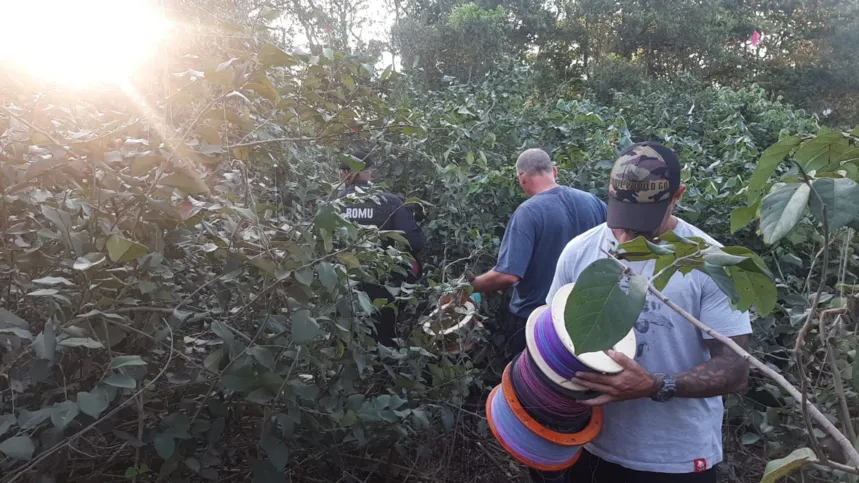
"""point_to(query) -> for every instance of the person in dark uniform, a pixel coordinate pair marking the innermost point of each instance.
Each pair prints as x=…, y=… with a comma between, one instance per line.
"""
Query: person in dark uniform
x=389, y=213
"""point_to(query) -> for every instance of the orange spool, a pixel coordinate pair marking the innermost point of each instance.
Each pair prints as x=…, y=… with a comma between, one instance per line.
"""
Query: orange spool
x=584, y=436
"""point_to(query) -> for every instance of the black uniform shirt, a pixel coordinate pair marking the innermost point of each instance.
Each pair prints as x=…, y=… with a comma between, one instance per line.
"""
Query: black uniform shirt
x=391, y=214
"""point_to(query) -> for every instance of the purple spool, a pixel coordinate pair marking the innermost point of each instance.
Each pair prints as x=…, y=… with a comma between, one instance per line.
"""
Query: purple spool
x=548, y=407
x=578, y=395
x=557, y=357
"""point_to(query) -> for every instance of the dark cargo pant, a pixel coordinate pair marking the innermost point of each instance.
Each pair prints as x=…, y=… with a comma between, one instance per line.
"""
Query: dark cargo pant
x=591, y=469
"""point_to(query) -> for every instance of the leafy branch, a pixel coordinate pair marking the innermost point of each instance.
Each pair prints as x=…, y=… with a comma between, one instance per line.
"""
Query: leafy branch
x=818, y=416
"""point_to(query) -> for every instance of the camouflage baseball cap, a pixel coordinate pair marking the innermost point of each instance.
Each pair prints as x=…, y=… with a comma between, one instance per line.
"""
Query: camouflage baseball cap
x=643, y=180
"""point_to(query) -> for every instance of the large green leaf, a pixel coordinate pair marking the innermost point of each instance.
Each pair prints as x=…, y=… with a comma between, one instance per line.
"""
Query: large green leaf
x=851, y=156
x=121, y=381
x=165, y=445
x=754, y=263
x=54, y=281
x=122, y=250
x=744, y=288
x=270, y=55
x=716, y=256
x=63, y=413
x=31, y=419
x=765, y=292
x=276, y=450
x=93, y=403
x=327, y=275
x=820, y=152
x=767, y=165
x=304, y=328
x=187, y=181
x=782, y=209
x=841, y=197
x=6, y=422
x=599, y=313
x=777, y=469
x=8, y=319
x=638, y=249
x=122, y=361
x=742, y=216
x=19, y=447
x=17, y=332
x=81, y=342
x=720, y=276
x=89, y=260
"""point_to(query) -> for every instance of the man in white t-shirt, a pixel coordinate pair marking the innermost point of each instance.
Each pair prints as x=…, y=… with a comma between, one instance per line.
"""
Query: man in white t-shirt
x=663, y=413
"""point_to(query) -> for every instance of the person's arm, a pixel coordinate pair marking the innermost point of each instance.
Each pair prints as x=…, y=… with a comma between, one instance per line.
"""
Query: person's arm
x=517, y=246
x=493, y=281
x=725, y=373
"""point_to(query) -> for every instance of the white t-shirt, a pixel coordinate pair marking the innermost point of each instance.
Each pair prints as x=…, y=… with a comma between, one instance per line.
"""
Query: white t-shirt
x=682, y=435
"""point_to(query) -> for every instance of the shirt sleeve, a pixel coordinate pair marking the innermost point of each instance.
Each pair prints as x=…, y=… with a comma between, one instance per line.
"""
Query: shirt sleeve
x=403, y=220
x=517, y=246
x=717, y=313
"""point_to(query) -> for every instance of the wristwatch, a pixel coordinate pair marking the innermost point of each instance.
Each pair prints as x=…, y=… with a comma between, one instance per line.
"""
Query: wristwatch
x=666, y=392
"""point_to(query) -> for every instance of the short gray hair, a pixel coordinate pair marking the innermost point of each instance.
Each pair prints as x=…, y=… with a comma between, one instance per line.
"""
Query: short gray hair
x=534, y=162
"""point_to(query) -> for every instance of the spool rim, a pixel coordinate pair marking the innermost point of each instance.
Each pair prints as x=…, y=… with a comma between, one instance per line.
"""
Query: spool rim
x=598, y=361
x=515, y=455
x=468, y=342
x=586, y=435
x=462, y=323
x=534, y=352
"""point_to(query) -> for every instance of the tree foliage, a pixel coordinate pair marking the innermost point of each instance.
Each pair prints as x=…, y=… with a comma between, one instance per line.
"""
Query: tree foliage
x=179, y=284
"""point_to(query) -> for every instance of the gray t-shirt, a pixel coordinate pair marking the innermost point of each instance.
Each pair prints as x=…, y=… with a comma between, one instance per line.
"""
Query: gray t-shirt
x=682, y=435
x=535, y=236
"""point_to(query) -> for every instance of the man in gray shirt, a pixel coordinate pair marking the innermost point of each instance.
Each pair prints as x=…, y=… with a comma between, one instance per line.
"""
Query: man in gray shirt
x=663, y=413
x=536, y=234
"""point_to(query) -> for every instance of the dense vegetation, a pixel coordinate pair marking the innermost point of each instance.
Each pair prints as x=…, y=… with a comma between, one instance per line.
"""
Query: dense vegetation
x=178, y=288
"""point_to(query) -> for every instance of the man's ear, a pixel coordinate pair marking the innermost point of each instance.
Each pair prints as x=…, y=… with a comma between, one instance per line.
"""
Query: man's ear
x=555, y=170
x=679, y=193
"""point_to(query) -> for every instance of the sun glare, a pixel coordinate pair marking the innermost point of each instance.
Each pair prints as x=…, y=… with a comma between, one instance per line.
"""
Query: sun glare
x=79, y=42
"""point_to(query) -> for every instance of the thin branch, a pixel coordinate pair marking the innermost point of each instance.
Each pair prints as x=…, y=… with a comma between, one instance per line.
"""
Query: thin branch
x=31, y=126
x=797, y=353
x=844, y=408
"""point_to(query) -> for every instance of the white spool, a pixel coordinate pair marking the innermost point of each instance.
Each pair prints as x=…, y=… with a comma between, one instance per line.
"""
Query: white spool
x=427, y=326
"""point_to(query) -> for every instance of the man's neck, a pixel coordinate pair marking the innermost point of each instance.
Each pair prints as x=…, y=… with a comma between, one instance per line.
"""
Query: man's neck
x=624, y=236
x=549, y=185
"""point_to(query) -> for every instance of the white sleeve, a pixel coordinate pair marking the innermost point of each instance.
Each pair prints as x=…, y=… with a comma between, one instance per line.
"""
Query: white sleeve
x=717, y=313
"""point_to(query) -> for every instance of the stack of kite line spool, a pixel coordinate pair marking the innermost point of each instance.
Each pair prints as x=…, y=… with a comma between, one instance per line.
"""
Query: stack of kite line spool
x=536, y=413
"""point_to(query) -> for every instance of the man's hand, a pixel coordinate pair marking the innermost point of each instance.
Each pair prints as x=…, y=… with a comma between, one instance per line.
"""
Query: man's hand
x=632, y=383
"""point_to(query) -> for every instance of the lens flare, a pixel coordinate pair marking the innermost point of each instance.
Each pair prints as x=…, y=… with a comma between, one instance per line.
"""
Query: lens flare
x=79, y=42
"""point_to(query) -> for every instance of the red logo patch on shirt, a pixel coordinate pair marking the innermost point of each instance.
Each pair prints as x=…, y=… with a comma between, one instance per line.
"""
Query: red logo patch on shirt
x=700, y=465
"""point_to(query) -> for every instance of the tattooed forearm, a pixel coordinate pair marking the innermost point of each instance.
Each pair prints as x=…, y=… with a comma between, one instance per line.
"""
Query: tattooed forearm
x=724, y=373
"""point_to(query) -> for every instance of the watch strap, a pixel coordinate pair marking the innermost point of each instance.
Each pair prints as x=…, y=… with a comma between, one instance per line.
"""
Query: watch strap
x=668, y=389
